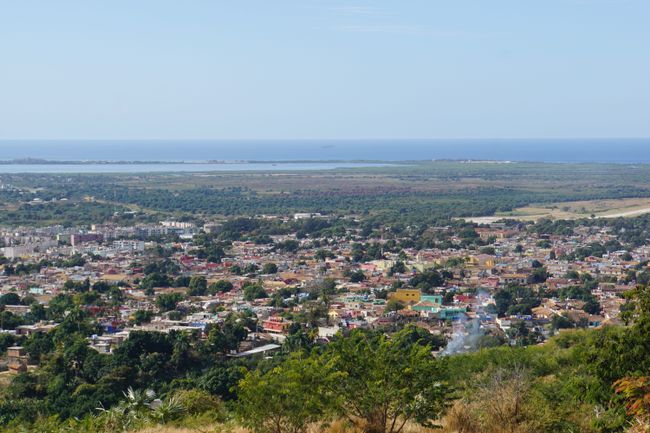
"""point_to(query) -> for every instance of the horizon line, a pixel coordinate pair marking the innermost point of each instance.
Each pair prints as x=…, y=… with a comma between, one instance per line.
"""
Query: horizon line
x=327, y=139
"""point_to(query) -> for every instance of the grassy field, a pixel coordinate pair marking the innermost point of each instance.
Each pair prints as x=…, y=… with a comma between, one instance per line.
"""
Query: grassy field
x=609, y=208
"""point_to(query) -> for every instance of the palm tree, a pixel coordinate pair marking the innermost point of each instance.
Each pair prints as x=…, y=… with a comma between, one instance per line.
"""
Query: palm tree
x=165, y=411
x=137, y=400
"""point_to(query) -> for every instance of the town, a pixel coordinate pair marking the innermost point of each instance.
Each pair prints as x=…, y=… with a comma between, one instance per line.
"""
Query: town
x=468, y=286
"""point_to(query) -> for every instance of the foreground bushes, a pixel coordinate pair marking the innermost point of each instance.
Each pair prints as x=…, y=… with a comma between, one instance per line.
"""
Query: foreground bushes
x=378, y=384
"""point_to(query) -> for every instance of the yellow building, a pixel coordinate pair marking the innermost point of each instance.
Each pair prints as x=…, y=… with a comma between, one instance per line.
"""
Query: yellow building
x=405, y=296
x=383, y=265
x=483, y=260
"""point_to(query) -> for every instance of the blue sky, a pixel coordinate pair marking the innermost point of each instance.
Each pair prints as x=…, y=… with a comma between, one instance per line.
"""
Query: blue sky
x=324, y=68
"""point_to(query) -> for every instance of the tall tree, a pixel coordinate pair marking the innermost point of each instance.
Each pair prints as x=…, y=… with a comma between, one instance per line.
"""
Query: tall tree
x=388, y=382
x=288, y=398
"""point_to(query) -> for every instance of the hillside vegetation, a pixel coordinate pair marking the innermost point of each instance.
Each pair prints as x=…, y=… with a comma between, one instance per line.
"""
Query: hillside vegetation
x=580, y=381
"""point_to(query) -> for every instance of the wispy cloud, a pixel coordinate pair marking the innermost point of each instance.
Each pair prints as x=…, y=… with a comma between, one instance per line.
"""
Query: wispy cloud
x=358, y=10
x=359, y=18
x=599, y=2
x=382, y=28
x=418, y=31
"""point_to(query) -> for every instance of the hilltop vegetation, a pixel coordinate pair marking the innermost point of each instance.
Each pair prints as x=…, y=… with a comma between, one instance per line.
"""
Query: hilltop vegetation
x=580, y=381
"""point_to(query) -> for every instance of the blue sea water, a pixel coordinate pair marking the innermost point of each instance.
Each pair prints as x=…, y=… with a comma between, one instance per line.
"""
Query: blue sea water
x=574, y=150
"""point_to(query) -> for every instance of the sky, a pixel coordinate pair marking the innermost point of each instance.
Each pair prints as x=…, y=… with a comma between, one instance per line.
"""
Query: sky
x=324, y=69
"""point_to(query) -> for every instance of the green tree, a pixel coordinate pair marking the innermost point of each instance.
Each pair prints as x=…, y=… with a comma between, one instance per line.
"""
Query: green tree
x=503, y=300
x=592, y=306
x=572, y=275
x=539, y=275
x=288, y=398
x=254, y=291
x=488, y=250
x=326, y=287
x=388, y=382
x=357, y=276
x=182, y=281
x=198, y=286
x=289, y=246
x=427, y=280
x=643, y=278
x=142, y=316
x=221, y=286
x=9, y=299
x=322, y=254
x=222, y=380
x=156, y=279
x=270, y=268
x=394, y=305
x=561, y=322
x=398, y=268
x=168, y=301
x=227, y=337
x=250, y=268
x=9, y=320
x=6, y=340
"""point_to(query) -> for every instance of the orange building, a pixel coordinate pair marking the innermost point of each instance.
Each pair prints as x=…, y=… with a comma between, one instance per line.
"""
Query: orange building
x=276, y=324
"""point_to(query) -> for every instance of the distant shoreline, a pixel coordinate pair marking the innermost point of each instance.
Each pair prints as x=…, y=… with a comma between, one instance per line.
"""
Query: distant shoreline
x=370, y=162
x=224, y=152
x=56, y=162
x=37, y=161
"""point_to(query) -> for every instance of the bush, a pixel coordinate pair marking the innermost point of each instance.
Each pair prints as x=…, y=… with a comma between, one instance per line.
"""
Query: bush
x=197, y=401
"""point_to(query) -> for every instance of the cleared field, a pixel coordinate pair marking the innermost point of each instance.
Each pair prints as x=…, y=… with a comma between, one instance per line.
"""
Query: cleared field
x=610, y=208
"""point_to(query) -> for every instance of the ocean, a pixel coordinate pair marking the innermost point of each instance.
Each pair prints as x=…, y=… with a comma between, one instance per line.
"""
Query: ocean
x=574, y=150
